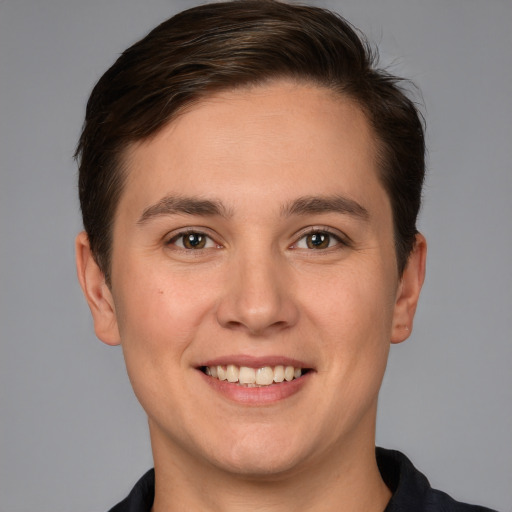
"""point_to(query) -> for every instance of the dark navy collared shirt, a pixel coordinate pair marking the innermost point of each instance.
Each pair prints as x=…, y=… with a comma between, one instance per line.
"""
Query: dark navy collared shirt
x=411, y=490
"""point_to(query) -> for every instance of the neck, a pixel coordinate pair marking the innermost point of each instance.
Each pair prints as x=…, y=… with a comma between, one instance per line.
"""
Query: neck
x=344, y=479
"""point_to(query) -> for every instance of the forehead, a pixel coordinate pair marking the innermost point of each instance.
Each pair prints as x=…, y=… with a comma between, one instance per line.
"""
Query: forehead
x=286, y=138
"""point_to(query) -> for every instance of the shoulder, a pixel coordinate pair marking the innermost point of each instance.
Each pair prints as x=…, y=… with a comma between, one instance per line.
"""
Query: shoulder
x=141, y=496
x=411, y=489
x=440, y=501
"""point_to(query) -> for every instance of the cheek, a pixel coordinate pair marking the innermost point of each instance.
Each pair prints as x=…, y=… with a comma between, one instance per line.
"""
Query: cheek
x=354, y=316
x=158, y=313
x=158, y=319
x=355, y=300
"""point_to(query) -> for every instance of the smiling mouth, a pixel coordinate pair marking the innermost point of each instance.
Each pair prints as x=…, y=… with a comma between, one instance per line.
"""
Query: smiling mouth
x=254, y=377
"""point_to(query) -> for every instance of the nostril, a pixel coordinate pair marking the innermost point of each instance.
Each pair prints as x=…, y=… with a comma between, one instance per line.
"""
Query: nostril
x=256, y=329
x=235, y=326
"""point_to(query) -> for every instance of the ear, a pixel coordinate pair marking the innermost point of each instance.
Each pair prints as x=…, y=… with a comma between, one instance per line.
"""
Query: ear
x=96, y=291
x=408, y=291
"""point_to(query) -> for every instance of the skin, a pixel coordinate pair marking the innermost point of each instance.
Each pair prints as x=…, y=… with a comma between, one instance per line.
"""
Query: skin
x=258, y=290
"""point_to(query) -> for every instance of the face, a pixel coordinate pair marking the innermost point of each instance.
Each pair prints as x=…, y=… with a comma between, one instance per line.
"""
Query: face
x=254, y=281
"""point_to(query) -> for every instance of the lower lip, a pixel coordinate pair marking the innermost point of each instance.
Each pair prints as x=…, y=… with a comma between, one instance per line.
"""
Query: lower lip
x=263, y=395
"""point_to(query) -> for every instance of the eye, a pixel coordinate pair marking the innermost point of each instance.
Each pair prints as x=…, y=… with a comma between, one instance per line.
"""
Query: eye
x=192, y=240
x=318, y=240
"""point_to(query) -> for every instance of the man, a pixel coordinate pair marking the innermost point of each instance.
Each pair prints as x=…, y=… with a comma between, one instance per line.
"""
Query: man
x=249, y=185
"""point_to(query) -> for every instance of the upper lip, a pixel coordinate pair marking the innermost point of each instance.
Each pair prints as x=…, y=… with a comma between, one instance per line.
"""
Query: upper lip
x=255, y=362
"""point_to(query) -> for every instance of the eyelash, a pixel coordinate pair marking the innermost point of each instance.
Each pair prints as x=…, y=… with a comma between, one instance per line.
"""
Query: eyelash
x=190, y=232
x=341, y=241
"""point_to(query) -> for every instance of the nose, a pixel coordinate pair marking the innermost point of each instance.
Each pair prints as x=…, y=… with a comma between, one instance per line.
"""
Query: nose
x=258, y=297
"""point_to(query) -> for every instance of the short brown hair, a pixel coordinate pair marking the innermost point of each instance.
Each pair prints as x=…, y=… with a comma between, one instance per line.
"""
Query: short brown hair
x=232, y=44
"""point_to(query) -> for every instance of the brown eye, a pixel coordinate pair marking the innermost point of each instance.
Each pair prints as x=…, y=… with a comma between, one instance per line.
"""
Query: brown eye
x=318, y=240
x=194, y=241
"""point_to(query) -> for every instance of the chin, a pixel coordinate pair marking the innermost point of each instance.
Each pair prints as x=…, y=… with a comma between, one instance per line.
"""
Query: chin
x=261, y=457
x=259, y=467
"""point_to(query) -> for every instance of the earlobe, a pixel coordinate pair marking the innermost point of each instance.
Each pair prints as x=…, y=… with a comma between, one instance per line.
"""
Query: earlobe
x=409, y=291
x=96, y=291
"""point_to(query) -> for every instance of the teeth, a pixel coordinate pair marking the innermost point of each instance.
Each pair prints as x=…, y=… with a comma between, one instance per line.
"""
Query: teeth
x=279, y=374
x=221, y=373
x=247, y=375
x=251, y=377
x=264, y=376
x=289, y=373
x=232, y=373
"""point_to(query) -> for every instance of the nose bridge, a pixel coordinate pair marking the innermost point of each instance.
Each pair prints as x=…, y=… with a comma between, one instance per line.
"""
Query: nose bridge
x=257, y=297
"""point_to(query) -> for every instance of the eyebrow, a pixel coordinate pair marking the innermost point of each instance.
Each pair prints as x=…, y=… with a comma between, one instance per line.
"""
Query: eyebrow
x=172, y=205
x=325, y=204
x=307, y=205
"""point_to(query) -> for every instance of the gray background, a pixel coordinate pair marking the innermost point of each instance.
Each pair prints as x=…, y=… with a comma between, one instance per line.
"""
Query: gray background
x=73, y=437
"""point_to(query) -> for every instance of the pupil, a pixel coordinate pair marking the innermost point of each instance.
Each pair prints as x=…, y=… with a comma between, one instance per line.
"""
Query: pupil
x=318, y=240
x=194, y=240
